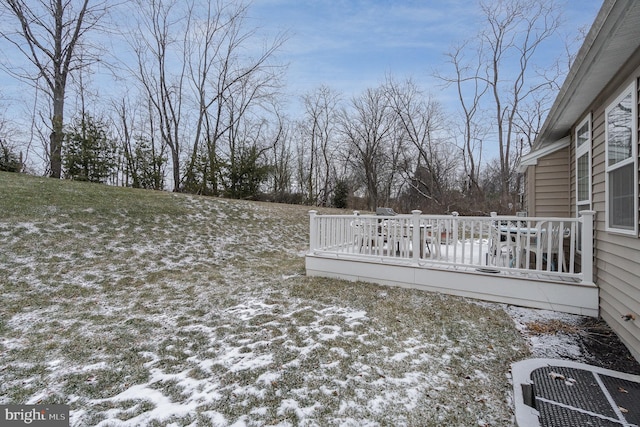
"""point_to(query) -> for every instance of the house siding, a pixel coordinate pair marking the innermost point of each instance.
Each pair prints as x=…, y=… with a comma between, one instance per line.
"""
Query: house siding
x=528, y=198
x=548, y=186
x=617, y=271
x=607, y=64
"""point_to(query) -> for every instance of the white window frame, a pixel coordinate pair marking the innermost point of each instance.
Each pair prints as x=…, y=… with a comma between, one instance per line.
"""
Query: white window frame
x=631, y=160
x=584, y=149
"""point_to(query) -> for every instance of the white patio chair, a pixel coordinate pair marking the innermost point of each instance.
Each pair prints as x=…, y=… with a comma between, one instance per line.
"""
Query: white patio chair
x=547, y=248
x=502, y=247
x=433, y=238
x=366, y=236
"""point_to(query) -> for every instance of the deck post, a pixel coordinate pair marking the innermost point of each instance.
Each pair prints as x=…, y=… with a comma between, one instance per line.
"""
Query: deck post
x=454, y=227
x=587, y=246
x=417, y=242
x=313, y=234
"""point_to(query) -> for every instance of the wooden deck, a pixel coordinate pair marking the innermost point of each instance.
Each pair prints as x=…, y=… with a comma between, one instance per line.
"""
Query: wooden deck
x=471, y=276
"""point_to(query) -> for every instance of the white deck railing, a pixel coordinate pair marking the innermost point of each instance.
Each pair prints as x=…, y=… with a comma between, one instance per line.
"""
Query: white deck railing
x=556, y=248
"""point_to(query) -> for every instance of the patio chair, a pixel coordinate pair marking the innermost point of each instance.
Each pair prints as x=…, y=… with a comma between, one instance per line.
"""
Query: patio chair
x=389, y=233
x=433, y=237
x=549, y=252
x=502, y=247
x=396, y=235
x=367, y=236
x=429, y=239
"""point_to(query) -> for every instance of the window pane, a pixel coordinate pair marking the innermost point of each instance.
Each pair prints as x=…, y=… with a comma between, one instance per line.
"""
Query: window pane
x=583, y=134
x=621, y=194
x=583, y=177
x=619, y=125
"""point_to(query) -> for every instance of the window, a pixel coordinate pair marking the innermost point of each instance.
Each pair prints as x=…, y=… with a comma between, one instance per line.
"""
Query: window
x=621, y=177
x=583, y=163
x=583, y=169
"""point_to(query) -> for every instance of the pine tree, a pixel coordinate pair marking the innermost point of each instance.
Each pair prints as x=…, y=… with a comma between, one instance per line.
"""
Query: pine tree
x=89, y=154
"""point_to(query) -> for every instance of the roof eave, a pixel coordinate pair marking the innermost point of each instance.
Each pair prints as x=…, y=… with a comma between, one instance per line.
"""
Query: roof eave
x=591, y=70
x=532, y=157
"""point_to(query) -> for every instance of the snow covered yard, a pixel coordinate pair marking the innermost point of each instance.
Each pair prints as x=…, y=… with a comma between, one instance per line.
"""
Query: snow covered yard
x=147, y=308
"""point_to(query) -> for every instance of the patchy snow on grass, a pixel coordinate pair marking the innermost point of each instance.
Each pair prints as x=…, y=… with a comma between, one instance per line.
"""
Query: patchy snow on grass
x=196, y=311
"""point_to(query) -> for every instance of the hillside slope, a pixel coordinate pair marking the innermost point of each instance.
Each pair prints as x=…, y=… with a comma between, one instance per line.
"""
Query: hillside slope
x=138, y=307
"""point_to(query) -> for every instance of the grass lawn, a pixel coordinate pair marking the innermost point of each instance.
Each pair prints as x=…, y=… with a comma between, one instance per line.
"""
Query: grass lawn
x=151, y=308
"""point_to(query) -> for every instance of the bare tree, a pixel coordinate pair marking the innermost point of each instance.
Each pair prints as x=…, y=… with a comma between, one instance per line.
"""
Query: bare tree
x=246, y=140
x=398, y=153
x=515, y=28
x=200, y=67
x=319, y=138
x=366, y=131
x=50, y=35
x=220, y=70
x=159, y=46
x=281, y=161
x=500, y=92
x=142, y=160
x=469, y=90
x=427, y=166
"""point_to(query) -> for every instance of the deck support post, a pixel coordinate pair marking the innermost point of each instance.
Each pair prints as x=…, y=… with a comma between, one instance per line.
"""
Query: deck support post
x=417, y=236
x=313, y=234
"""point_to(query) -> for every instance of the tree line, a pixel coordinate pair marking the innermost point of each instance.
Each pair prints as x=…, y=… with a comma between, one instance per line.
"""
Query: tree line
x=202, y=110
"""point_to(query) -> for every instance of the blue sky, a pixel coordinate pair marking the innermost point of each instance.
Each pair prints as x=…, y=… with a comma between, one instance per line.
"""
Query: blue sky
x=348, y=45
x=351, y=45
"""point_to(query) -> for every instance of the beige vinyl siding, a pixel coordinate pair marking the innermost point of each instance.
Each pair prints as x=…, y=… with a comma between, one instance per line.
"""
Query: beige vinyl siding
x=618, y=283
x=551, y=185
x=617, y=269
x=528, y=196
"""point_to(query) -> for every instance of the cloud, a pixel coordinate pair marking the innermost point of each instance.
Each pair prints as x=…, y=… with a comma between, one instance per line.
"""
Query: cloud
x=349, y=43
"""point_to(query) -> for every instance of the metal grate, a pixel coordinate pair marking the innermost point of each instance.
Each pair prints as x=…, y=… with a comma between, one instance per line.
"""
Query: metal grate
x=565, y=394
